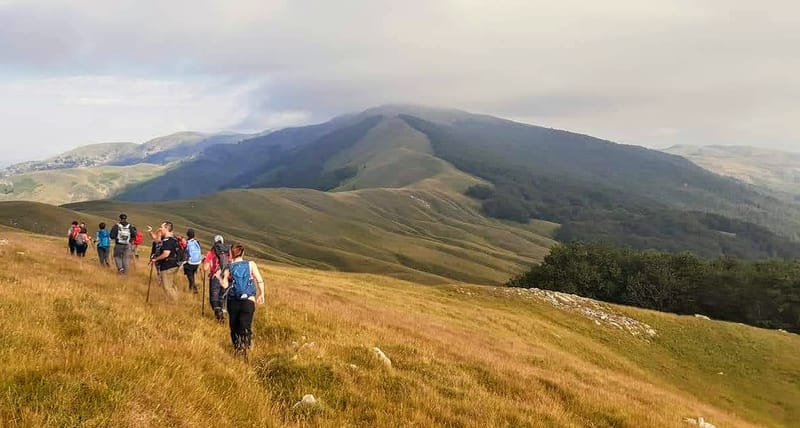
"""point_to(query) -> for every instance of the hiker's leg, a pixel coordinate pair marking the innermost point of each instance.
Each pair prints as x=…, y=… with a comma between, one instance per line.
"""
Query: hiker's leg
x=215, y=296
x=125, y=258
x=168, y=283
x=118, y=255
x=190, y=271
x=233, y=322
x=246, y=312
x=71, y=244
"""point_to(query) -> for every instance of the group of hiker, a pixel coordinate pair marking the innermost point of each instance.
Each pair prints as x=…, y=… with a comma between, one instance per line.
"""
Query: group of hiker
x=232, y=281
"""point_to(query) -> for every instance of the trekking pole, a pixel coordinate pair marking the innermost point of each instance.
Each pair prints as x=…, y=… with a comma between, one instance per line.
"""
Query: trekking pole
x=149, y=280
x=203, y=296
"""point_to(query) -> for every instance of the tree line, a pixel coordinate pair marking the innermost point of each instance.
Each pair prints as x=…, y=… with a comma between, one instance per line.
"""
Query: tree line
x=762, y=293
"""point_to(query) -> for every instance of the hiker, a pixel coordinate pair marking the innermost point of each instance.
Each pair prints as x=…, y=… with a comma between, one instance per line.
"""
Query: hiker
x=82, y=241
x=122, y=233
x=217, y=259
x=138, y=239
x=73, y=232
x=194, y=256
x=167, y=260
x=155, y=249
x=103, y=244
x=239, y=282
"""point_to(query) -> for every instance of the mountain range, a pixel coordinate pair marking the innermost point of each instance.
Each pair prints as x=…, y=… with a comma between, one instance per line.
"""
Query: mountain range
x=493, y=171
x=99, y=171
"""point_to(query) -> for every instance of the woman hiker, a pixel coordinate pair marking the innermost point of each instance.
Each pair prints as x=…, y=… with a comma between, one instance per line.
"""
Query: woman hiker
x=239, y=282
x=103, y=244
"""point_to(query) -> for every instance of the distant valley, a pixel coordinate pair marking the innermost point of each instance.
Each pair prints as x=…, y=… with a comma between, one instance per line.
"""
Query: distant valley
x=775, y=170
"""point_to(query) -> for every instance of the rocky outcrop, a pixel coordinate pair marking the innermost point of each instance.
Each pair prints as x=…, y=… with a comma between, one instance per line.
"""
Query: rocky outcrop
x=600, y=313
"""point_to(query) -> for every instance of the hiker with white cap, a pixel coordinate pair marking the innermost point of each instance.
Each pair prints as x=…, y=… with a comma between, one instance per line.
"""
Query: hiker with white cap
x=217, y=260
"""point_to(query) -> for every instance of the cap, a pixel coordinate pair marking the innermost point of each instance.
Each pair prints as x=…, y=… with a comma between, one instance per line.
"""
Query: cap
x=218, y=238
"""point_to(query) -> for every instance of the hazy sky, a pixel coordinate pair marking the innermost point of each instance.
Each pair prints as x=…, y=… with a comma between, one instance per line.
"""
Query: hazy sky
x=653, y=73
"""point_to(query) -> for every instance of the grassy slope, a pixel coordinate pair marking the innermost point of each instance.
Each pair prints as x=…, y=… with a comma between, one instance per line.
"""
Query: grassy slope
x=779, y=171
x=63, y=186
x=99, y=356
x=424, y=235
x=429, y=238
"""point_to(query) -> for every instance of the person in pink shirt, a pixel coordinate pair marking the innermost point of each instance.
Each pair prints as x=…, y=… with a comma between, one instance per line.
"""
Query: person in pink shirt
x=217, y=260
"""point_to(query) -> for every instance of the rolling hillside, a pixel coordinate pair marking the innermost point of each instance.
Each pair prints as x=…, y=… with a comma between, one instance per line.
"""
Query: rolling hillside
x=461, y=355
x=99, y=171
x=772, y=169
x=62, y=186
x=597, y=190
x=425, y=235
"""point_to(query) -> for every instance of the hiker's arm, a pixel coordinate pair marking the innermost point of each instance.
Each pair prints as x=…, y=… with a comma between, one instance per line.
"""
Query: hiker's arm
x=152, y=233
x=259, y=281
x=225, y=280
x=114, y=230
x=164, y=255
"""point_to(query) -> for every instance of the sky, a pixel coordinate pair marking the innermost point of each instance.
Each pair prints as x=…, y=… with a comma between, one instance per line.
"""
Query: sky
x=652, y=73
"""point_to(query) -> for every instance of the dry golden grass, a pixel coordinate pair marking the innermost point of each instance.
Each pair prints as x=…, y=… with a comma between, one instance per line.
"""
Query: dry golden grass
x=79, y=346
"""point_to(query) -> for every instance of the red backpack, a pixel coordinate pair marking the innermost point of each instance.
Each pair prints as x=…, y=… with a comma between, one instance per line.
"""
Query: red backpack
x=139, y=238
x=76, y=230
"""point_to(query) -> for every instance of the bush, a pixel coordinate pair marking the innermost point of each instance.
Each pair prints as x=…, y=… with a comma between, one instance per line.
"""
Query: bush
x=762, y=293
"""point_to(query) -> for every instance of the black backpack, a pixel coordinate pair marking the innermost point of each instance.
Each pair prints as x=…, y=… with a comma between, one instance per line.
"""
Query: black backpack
x=222, y=252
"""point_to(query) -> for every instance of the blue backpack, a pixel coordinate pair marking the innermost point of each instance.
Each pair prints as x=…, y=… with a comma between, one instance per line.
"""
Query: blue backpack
x=193, y=252
x=241, y=283
x=103, y=238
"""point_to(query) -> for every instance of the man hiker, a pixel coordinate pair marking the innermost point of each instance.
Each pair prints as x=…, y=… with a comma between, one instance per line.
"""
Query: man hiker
x=167, y=260
x=72, y=234
x=122, y=233
x=194, y=257
x=103, y=244
x=239, y=282
x=216, y=260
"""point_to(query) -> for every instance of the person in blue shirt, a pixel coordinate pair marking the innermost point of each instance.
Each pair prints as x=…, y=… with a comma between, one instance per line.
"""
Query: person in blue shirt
x=194, y=256
x=103, y=244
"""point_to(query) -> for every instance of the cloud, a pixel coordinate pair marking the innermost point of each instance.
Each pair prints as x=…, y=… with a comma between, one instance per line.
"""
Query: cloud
x=717, y=71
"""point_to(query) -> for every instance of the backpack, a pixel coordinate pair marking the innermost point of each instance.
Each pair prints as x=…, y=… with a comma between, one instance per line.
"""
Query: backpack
x=138, y=238
x=76, y=230
x=103, y=238
x=241, y=285
x=193, y=253
x=222, y=252
x=180, y=249
x=79, y=239
x=123, y=234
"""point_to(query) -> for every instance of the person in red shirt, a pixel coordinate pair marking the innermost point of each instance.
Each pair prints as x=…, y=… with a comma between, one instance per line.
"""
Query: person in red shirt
x=217, y=259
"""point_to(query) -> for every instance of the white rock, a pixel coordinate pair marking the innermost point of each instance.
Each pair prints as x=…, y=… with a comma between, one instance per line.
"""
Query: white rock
x=381, y=356
x=352, y=367
x=700, y=422
x=307, y=346
x=308, y=400
x=702, y=317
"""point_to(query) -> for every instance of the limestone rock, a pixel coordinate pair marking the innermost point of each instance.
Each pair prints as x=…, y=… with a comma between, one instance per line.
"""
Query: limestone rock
x=307, y=400
x=381, y=356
